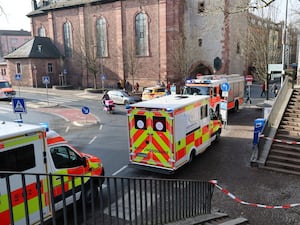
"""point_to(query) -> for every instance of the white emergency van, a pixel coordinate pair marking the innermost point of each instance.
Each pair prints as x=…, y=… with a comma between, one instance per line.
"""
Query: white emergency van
x=29, y=150
x=168, y=132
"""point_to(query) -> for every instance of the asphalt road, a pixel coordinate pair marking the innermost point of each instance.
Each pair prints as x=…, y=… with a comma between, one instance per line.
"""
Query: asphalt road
x=228, y=161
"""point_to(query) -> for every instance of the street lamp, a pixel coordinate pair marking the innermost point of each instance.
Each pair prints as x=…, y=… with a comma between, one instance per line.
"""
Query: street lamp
x=35, y=73
x=284, y=39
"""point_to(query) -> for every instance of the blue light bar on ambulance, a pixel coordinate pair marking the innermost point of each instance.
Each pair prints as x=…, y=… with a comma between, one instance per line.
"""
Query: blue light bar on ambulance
x=198, y=81
x=45, y=125
x=169, y=110
x=188, y=81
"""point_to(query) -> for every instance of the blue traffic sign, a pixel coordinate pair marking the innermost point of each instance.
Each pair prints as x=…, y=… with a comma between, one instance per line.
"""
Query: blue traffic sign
x=46, y=79
x=19, y=105
x=85, y=110
x=18, y=76
x=225, y=86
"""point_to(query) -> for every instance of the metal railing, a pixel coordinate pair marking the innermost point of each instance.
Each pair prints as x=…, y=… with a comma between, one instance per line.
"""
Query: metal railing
x=134, y=201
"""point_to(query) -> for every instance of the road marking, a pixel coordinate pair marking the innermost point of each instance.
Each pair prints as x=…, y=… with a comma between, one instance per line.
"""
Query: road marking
x=120, y=170
x=101, y=126
x=93, y=139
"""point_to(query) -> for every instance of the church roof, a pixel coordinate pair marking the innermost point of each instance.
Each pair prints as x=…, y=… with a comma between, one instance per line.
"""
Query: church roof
x=38, y=47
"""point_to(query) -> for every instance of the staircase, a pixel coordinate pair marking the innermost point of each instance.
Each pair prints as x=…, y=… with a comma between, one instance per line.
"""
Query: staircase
x=216, y=218
x=284, y=155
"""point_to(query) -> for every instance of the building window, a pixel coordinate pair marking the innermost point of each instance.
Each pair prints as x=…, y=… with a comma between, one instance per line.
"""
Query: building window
x=50, y=68
x=201, y=7
x=19, y=68
x=200, y=42
x=3, y=72
x=42, y=32
x=68, y=39
x=101, y=38
x=141, y=34
x=238, y=48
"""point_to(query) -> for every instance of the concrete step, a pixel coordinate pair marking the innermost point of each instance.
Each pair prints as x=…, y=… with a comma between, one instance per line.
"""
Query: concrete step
x=289, y=127
x=216, y=218
x=284, y=158
x=291, y=118
x=288, y=134
x=283, y=165
x=281, y=170
x=290, y=122
x=294, y=148
x=286, y=152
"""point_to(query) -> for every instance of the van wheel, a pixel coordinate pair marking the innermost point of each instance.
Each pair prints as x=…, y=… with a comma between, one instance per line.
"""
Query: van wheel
x=236, y=106
x=91, y=194
x=218, y=135
x=192, y=156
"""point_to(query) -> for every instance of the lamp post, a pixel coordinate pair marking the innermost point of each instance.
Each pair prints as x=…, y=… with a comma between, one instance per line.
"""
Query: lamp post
x=284, y=39
x=35, y=73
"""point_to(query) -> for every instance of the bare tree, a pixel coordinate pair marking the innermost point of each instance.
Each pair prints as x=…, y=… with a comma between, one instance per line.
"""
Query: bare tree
x=131, y=61
x=86, y=49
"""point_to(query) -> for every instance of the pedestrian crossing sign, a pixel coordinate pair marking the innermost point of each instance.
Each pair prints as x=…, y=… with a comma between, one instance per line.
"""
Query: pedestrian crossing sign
x=19, y=105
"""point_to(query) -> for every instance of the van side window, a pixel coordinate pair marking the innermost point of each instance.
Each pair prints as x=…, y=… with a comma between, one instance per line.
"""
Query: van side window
x=18, y=159
x=159, y=124
x=140, y=122
x=64, y=157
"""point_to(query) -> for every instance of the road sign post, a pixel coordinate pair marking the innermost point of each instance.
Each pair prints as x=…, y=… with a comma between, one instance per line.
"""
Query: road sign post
x=18, y=78
x=85, y=110
x=46, y=81
x=19, y=107
x=225, y=87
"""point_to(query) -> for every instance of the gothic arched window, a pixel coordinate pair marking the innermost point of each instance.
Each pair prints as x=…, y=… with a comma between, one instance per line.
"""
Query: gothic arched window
x=42, y=32
x=68, y=39
x=141, y=35
x=101, y=38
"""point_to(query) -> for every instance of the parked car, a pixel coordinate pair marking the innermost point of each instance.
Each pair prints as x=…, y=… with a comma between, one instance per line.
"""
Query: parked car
x=123, y=97
x=153, y=92
x=6, y=91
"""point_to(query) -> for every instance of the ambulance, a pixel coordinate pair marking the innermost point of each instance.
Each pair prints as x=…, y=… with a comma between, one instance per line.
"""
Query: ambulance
x=30, y=150
x=168, y=132
x=211, y=85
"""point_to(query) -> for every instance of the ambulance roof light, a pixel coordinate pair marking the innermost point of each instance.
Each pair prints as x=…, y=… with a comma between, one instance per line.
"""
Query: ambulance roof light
x=169, y=110
x=45, y=125
x=189, y=81
x=127, y=107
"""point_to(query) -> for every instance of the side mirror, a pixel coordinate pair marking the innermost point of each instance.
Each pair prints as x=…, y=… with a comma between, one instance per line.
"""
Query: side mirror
x=84, y=161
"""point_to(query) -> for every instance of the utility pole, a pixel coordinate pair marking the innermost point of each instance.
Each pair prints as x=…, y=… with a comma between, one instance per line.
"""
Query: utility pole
x=284, y=40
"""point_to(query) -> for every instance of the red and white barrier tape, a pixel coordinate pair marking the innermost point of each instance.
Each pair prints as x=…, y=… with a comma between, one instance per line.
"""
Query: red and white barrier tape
x=286, y=206
x=280, y=141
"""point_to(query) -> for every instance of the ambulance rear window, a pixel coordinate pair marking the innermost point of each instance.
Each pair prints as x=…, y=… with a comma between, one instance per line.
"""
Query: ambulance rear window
x=159, y=124
x=140, y=122
x=18, y=159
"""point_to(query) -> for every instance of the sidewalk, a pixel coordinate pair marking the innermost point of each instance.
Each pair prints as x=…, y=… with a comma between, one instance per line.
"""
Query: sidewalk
x=73, y=115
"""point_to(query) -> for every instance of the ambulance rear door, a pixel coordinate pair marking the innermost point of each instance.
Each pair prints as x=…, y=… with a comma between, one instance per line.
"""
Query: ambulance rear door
x=151, y=139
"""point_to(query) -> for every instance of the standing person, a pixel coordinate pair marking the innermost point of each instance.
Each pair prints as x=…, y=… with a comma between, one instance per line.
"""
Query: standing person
x=137, y=86
x=248, y=95
x=105, y=97
x=263, y=89
x=275, y=89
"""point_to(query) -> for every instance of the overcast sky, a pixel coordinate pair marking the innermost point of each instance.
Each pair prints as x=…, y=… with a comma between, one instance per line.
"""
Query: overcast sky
x=16, y=10
x=15, y=18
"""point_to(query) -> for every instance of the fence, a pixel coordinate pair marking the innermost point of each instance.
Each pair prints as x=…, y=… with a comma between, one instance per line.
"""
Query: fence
x=128, y=201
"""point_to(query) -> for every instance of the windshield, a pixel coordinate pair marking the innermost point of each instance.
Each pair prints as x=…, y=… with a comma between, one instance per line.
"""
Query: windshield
x=125, y=94
x=196, y=90
x=4, y=84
